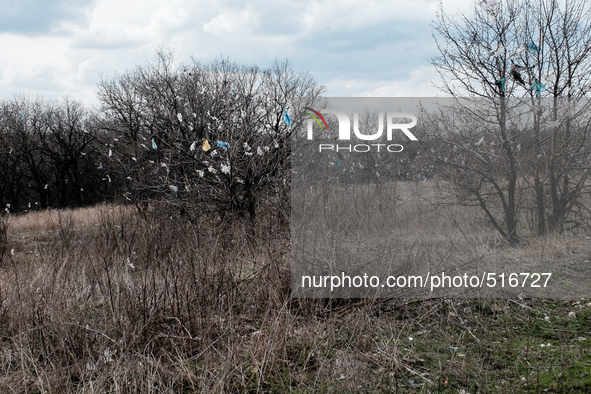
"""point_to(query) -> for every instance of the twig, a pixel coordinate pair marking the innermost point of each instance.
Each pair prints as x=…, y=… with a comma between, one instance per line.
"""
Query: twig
x=416, y=373
x=520, y=304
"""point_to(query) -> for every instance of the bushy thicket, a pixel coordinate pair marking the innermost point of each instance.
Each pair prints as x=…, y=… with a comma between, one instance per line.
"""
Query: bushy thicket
x=48, y=155
x=199, y=137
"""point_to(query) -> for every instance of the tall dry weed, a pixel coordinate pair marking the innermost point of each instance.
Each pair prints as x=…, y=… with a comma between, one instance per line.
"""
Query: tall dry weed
x=141, y=304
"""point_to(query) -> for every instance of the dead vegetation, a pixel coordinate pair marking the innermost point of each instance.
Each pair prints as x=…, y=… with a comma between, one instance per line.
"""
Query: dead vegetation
x=105, y=300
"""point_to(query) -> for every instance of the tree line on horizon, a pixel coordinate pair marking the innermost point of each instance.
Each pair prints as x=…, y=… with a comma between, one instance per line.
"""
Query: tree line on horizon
x=513, y=138
x=198, y=137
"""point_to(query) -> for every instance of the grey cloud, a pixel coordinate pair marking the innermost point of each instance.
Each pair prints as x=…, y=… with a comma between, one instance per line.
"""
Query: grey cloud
x=370, y=52
x=375, y=53
x=38, y=17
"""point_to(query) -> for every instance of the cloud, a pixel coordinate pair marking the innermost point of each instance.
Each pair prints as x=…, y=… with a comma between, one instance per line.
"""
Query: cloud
x=419, y=83
x=355, y=48
x=37, y=17
x=339, y=15
x=31, y=59
x=106, y=39
x=45, y=66
x=233, y=23
x=333, y=39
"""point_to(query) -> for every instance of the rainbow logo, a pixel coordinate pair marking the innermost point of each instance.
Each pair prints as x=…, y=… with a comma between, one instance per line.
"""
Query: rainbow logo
x=318, y=115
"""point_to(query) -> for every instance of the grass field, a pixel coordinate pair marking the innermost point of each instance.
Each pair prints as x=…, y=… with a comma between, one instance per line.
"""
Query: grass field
x=104, y=300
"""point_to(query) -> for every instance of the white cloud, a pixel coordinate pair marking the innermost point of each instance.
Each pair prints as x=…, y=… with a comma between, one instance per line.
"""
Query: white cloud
x=354, y=14
x=419, y=84
x=28, y=62
x=233, y=23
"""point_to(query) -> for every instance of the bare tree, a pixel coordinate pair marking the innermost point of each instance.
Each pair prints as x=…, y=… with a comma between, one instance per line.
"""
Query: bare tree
x=562, y=150
x=47, y=154
x=203, y=136
x=510, y=56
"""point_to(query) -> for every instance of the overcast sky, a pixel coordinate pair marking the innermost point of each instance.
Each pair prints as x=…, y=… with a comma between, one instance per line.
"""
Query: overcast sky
x=355, y=48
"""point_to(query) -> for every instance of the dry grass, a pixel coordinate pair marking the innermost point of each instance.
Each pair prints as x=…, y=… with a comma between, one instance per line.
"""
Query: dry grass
x=51, y=219
x=402, y=228
x=107, y=300
x=110, y=301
